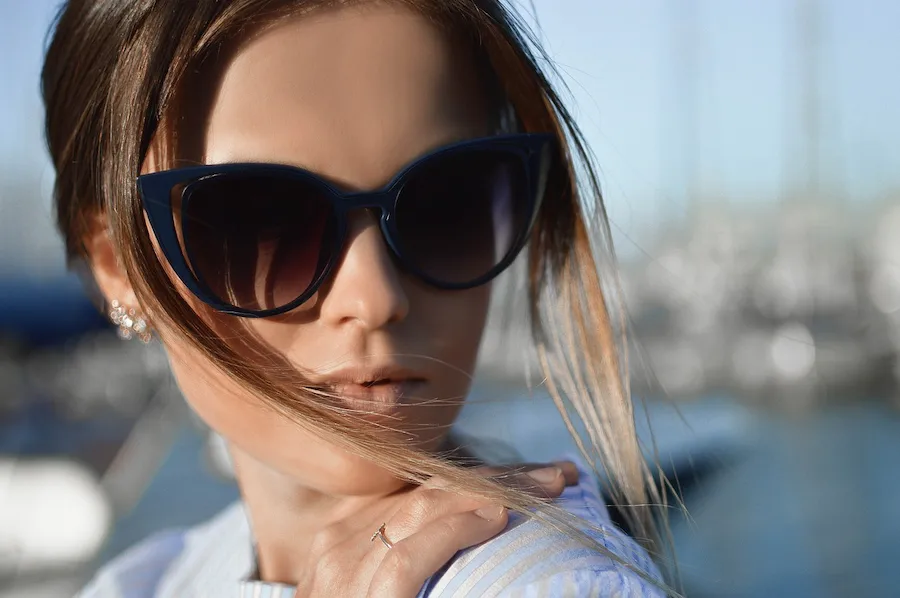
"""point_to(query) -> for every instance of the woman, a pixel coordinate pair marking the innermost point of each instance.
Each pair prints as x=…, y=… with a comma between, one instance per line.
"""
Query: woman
x=307, y=201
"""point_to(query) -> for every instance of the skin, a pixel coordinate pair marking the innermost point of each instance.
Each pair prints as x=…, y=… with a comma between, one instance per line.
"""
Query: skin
x=340, y=93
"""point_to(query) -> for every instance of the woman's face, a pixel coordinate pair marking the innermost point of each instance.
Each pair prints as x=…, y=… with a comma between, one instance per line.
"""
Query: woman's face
x=352, y=94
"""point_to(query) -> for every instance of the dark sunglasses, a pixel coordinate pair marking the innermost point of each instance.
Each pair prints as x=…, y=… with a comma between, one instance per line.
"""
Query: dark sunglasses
x=258, y=240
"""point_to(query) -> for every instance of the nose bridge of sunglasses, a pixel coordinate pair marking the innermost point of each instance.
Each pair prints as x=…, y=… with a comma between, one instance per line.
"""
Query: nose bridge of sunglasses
x=359, y=210
x=375, y=201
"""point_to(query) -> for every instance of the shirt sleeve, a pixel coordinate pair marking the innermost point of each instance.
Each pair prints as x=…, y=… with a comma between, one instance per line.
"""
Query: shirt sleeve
x=567, y=570
x=578, y=583
x=531, y=558
x=103, y=585
x=137, y=572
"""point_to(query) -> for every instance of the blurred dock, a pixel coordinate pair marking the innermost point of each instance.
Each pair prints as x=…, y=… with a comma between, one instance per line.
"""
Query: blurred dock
x=787, y=308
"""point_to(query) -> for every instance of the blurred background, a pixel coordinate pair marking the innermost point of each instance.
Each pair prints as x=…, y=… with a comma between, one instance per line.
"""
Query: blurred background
x=751, y=167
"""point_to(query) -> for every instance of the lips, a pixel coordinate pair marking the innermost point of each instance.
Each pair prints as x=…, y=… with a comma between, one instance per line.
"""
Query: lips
x=385, y=390
x=380, y=390
x=380, y=396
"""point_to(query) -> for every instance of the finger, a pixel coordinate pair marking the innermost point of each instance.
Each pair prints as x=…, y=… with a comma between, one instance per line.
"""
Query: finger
x=425, y=505
x=570, y=472
x=538, y=479
x=411, y=561
x=569, y=469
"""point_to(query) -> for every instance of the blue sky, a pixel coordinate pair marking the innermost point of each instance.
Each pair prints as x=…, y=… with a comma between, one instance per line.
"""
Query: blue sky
x=634, y=95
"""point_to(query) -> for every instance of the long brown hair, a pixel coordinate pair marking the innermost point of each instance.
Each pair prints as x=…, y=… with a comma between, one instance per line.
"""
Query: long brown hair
x=111, y=73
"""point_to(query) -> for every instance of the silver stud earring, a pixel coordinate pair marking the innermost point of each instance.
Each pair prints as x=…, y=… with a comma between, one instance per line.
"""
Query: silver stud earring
x=131, y=324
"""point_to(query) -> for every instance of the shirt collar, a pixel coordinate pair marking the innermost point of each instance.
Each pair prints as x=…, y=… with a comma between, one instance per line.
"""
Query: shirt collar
x=226, y=557
x=229, y=564
x=261, y=589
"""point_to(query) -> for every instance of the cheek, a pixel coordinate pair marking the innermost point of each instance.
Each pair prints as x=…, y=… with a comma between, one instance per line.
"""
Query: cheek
x=263, y=436
x=228, y=408
x=457, y=319
x=220, y=403
x=450, y=325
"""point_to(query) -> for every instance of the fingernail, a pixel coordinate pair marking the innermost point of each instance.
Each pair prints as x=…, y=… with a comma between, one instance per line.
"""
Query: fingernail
x=490, y=513
x=547, y=475
x=567, y=467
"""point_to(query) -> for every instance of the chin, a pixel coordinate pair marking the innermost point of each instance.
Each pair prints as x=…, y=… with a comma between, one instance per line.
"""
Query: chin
x=333, y=470
x=348, y=475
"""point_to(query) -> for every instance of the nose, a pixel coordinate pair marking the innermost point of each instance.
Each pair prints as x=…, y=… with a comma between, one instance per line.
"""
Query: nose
x=365, y=287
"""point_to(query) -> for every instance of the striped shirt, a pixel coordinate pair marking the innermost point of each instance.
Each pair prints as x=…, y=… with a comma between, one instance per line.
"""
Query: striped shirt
x=529, y=560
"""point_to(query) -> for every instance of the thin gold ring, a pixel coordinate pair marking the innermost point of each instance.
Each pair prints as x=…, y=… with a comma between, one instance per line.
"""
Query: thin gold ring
x=380, y=535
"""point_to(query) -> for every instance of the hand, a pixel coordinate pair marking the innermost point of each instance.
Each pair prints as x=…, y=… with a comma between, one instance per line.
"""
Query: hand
x=427, y=526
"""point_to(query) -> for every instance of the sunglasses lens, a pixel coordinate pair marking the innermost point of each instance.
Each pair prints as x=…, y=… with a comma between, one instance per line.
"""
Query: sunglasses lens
x=256, y=242
x=459, y=216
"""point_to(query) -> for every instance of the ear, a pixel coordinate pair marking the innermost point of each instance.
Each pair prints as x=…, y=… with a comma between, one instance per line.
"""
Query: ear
x=105, y=264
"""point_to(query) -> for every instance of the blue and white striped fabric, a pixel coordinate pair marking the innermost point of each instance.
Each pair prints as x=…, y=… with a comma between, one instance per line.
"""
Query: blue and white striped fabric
x=529, y=559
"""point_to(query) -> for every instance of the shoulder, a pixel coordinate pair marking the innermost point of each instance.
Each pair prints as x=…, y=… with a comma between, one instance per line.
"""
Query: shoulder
x=530, y=558
x=136, y=572
x=169, y=563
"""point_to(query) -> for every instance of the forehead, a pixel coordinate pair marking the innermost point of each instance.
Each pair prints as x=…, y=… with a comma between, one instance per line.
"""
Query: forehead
x=352, y=93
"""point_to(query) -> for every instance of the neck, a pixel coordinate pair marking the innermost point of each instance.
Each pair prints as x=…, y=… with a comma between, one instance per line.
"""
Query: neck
x=287, y=515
